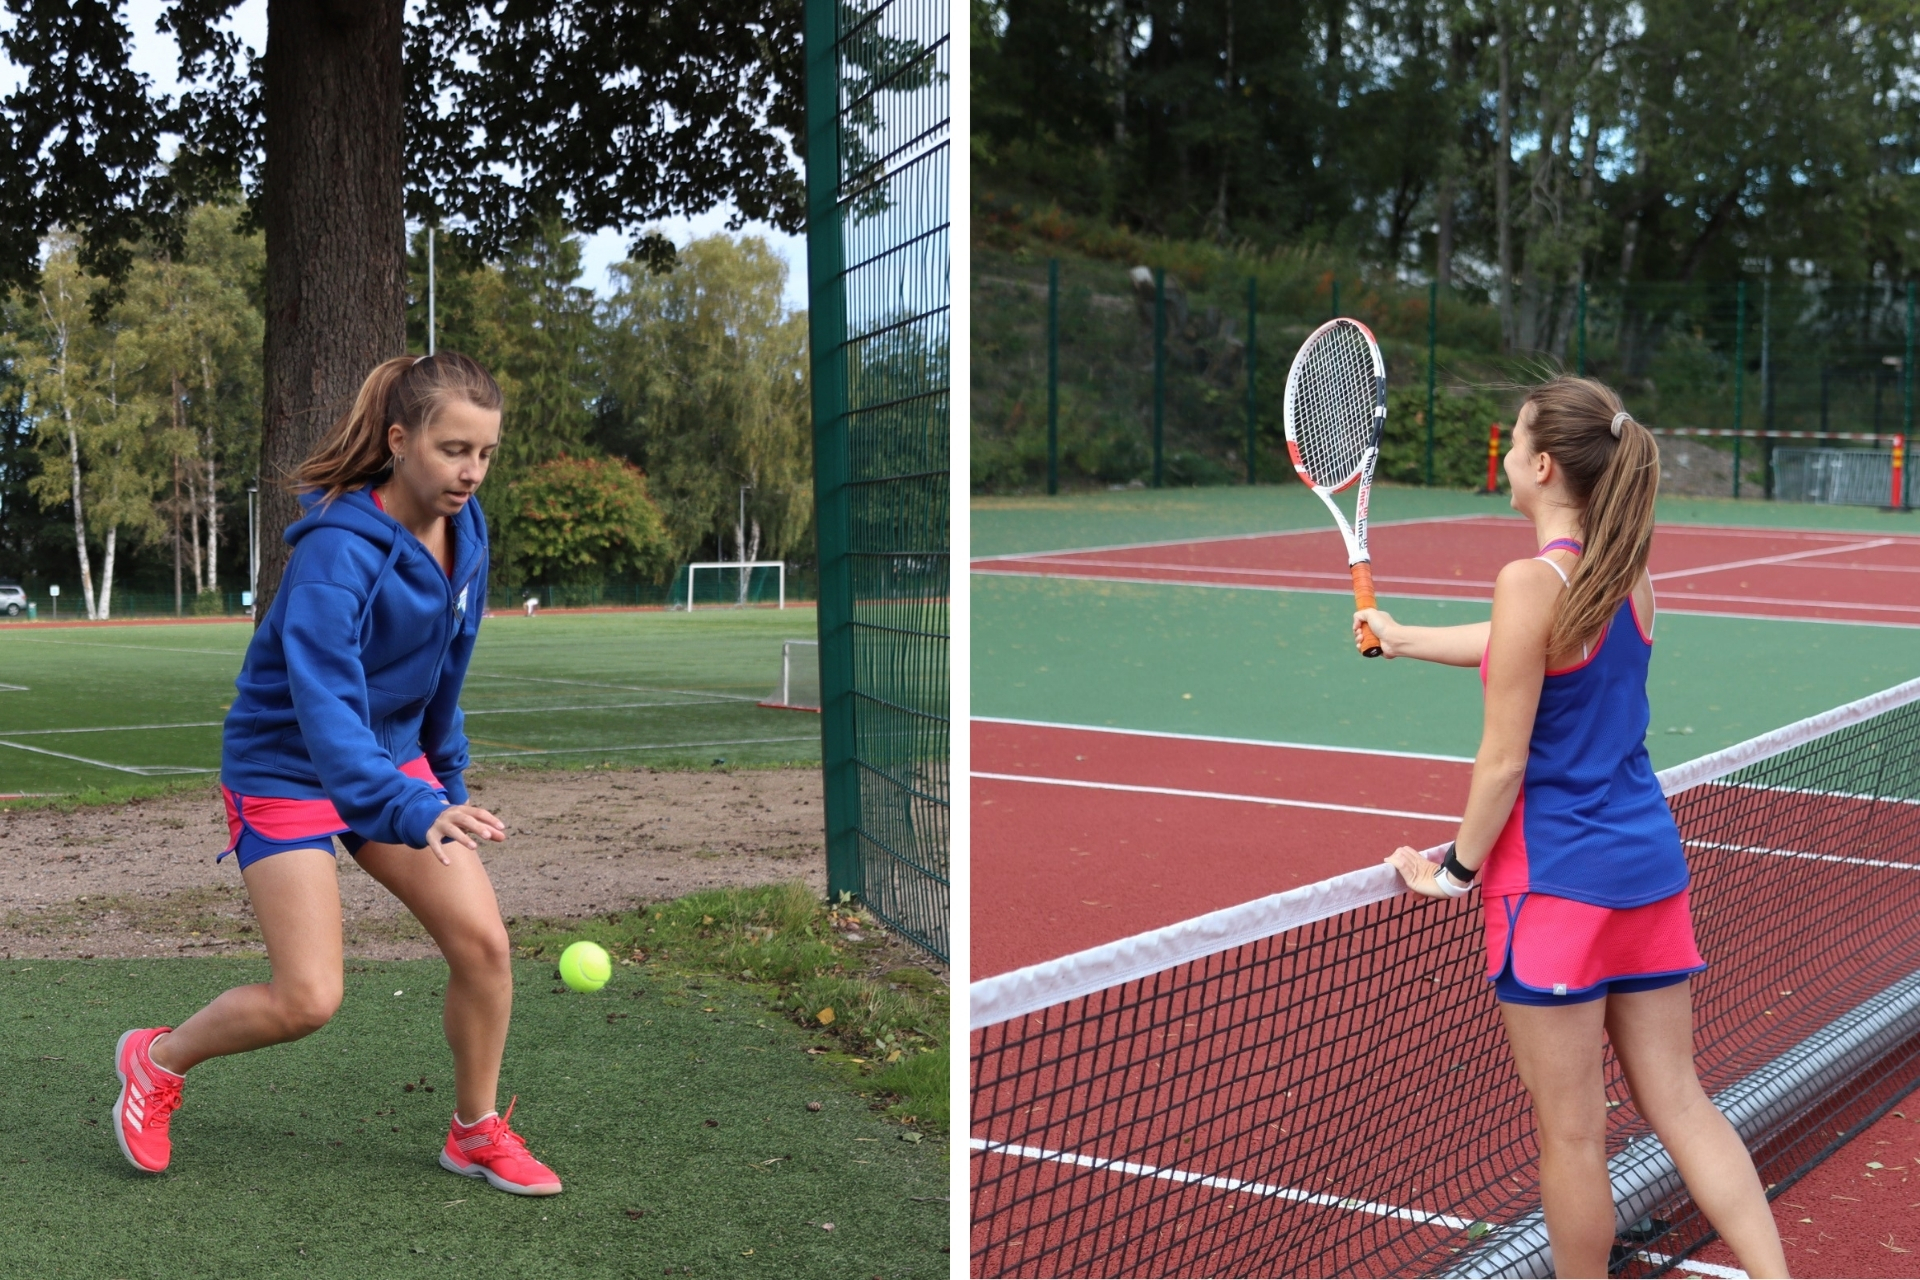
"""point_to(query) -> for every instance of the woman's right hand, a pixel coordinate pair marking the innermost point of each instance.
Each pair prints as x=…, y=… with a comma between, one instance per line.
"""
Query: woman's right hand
x=1385, y=629
x=463, y=824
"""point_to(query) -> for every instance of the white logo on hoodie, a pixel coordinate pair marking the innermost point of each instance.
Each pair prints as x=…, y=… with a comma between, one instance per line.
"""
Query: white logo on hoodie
x=460, y=605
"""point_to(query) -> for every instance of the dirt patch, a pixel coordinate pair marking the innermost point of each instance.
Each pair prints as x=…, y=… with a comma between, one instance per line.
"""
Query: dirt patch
x=139, y=879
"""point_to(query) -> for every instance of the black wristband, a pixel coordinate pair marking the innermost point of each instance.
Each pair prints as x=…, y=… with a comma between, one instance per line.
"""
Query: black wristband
x=1453, y=868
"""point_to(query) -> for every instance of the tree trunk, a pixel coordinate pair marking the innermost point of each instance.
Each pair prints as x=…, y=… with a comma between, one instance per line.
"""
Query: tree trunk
x=174, y=508
x=79, y=516
x=1502, y=176
x=213, y=525
x=106, y=574
x=336, y=232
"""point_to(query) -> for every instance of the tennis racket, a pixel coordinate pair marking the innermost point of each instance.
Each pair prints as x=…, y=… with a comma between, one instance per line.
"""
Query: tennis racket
x=1336, y=408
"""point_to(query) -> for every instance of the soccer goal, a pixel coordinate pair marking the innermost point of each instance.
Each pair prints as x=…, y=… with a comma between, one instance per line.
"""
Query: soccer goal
x=732, y=584
x=799, y=677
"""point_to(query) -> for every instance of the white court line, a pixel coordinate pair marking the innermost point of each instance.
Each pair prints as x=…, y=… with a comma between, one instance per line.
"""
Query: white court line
x=645, y=746
x=1268, y=1190
x=1713, y=1269
x=142, y=770
x=1797, y=604
x=1208, y=737
x=1809, y=857
x=629, y=688
x=151, y=648
x=1216, y=795
x=1263, y=573
x=1779, y=559
x=1222, y=537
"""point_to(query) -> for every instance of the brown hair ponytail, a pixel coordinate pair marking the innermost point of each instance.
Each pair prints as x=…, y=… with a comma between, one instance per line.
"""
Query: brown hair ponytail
x=1616, y=477
x=407, y=390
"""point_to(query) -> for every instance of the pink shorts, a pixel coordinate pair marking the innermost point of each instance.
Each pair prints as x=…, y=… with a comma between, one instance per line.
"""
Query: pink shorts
x=1547, y=950
x=260, y=826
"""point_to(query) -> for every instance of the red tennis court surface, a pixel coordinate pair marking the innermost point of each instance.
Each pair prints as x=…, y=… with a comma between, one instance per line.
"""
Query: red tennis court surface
x=1791, y=574
x=1083, y=836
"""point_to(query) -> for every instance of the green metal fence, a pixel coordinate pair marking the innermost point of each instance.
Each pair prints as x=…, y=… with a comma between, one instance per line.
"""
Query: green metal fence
x=1090, y=371
x=877, y=253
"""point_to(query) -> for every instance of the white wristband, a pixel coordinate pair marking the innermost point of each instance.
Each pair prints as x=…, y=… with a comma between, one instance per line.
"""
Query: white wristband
x=1448, y=886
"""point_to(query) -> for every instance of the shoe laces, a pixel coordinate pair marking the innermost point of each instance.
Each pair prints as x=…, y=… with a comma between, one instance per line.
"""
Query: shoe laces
x=503, y=1135
x=162, y=1100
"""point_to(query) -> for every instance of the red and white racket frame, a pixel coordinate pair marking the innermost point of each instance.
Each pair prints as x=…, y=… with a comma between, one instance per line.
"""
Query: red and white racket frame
x=1355, y=534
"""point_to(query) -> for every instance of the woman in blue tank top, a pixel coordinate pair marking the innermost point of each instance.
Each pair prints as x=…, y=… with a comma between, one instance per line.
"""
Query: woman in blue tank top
x=1566, y=831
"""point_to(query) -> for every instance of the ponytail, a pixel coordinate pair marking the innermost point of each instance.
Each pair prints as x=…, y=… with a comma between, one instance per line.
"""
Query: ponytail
x=408, y=391
x=1612, y=465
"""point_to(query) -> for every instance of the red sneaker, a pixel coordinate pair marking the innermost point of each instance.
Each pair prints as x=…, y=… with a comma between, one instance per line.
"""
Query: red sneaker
x=149, y=1095
x=490, y=1149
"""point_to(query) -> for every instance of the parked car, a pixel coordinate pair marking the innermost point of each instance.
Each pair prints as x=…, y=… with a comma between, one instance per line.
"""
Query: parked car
x=13, y=599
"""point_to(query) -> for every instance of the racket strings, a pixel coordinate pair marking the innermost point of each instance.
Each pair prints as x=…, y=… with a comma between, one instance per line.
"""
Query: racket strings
x=1332, y=397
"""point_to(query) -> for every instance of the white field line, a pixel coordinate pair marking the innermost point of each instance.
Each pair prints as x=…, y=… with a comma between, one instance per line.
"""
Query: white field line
x=151, y=648
x=644, y=746
x=1216, y=795
x=114, y=728
x=690, y=701
x=627, y=688
x=142, y=770
x=1221, y=537
x=13, y=688
x=1233, y=742
x=1784, y=558
x=1239, y=1185
x=1809, y=857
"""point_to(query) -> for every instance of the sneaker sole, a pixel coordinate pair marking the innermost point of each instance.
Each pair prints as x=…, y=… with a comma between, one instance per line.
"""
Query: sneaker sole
x=496, y=1181
x=120, y=1106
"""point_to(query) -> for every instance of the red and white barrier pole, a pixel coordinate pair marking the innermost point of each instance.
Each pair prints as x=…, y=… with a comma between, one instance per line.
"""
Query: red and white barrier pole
x=1899, y=498
x=1493, y=458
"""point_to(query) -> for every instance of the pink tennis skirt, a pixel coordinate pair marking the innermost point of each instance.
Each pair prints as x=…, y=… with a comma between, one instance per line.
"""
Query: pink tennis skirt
x=260, y=826
x=1557, y=949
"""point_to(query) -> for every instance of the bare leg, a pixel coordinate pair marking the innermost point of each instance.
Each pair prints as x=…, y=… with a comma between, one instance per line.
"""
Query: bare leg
x=1558, y=1053
x=296, y=898
x=456, y=905
x=1652, y=1034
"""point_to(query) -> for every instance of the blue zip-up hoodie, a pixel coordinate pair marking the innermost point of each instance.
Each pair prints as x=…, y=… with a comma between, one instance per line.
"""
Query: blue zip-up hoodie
x=357, y=669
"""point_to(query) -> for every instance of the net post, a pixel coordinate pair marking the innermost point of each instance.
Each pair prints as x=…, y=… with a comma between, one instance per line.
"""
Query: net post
x=827, y=329
x=1053, y=376
x=1433, y=337
x=1739, y=374
x=1159, y=369
x=1493, y=458
x=1253, y=349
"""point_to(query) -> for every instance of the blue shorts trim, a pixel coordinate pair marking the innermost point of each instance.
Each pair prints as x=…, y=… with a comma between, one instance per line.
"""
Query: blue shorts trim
x=1507, y=989
x=252, y=846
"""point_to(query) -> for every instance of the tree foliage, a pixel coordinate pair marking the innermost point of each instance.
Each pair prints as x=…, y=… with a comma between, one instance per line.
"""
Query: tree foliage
x=1659, y=140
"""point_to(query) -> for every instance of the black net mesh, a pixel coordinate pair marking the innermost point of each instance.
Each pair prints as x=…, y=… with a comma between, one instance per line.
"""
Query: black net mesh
x=1269, y=1110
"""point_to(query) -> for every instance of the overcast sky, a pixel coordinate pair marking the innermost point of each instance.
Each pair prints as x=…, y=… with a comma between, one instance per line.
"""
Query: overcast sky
x=156, y=56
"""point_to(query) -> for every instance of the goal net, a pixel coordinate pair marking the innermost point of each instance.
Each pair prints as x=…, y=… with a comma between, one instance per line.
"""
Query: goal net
x=730, y=584
x=799, y=677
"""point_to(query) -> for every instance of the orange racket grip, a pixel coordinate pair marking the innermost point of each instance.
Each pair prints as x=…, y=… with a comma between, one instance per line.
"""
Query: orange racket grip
x=1363, y=599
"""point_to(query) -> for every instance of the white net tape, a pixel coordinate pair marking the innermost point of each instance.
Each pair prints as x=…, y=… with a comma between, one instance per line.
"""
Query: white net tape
x=1052, y=982
x=1332, y=393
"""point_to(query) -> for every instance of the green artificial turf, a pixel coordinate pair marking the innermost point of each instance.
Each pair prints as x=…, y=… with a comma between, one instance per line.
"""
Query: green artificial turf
x=1280, y=666
x=1011, y=526
x=674, y=1106
x=140, y=704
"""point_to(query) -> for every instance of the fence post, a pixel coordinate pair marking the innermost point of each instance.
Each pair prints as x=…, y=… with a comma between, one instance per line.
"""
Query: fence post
x=1053, y=376
x=1493, y=458
x=1433, y=314
x=1739, y=373
x=1159, y=369
x=1580, y=360
x=1336, y=299
x=1906, y=381
x=1253, y=350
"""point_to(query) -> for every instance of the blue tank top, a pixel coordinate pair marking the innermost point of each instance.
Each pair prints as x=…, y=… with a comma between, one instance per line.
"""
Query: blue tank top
x=1590, y=822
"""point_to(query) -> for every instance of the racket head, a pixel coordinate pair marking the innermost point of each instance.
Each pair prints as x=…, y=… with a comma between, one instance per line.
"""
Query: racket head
x=1336, y=404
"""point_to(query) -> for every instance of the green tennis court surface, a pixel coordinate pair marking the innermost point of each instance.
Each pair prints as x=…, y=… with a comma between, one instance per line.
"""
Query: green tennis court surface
x=675, y=1109
x=106, y=708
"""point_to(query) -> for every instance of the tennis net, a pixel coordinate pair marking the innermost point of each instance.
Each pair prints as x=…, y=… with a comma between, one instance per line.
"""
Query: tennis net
x=1316, y=1083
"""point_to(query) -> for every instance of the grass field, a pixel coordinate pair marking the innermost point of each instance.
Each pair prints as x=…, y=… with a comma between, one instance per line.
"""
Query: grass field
x=118, y=708
x=675, y=1107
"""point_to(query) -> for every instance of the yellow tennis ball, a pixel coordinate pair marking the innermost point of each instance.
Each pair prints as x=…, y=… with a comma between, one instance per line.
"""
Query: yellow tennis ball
x=585, y=966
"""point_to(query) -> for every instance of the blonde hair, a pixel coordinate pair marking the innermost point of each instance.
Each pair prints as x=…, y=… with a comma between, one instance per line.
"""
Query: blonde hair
x=1615, y=477
x=407, y=390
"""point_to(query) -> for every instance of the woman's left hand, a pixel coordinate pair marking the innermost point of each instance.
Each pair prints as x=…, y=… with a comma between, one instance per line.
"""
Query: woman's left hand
x=1416, y=871
x=463, y=824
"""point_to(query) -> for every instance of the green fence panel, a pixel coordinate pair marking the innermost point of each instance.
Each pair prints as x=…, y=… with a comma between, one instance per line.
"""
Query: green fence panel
x=877, y=251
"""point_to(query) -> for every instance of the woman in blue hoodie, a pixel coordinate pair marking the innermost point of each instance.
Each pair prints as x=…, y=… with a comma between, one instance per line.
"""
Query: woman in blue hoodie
x=348, y=725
